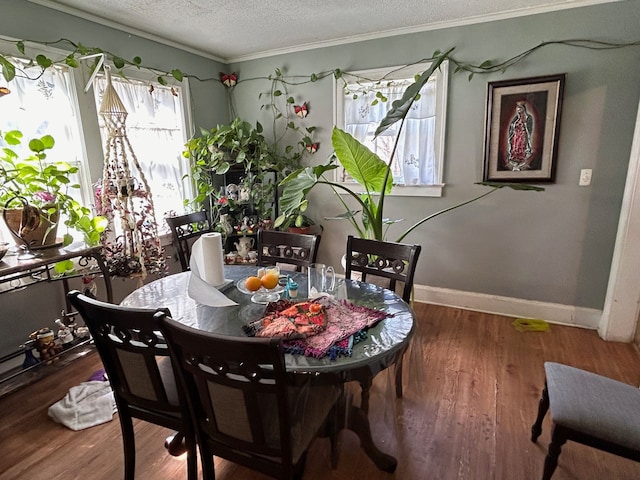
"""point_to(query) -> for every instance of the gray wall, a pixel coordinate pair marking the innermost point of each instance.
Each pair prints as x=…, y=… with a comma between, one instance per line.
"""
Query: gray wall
x=555, y=246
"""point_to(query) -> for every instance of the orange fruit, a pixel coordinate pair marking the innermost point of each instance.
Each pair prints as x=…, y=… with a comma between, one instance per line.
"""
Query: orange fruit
x=270, y=281
x=252, y=284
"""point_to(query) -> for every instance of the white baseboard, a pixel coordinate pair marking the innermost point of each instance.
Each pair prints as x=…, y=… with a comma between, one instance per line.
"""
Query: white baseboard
x=511, y=307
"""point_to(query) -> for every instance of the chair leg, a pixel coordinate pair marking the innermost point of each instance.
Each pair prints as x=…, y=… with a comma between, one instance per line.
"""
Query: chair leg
x=175, y=444
x=206, y=458
x=297, y=471
x=551, y=461
x=128, y=444
x=192, y=459
x=399, y=377
x=543, y=407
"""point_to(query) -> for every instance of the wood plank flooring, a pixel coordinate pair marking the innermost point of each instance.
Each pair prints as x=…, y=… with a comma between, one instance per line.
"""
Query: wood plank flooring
x=472, y=384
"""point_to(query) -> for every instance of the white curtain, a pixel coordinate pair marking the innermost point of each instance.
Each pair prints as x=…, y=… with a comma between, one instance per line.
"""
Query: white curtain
x=415, y=160
x=43, y=107
x=46, y=106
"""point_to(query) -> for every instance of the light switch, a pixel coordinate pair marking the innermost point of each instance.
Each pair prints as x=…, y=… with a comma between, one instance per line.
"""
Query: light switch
x=585, y=177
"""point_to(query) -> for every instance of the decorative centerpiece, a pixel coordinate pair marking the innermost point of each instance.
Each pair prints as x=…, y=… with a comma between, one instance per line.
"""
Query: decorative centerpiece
x=263, y=287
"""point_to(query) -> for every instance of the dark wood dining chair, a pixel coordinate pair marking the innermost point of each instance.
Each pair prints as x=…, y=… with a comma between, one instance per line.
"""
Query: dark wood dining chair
x=136, y=361
x=245, y=406
x=395, y=262
x=297, y=249
x=184, y=229
x=589, y=409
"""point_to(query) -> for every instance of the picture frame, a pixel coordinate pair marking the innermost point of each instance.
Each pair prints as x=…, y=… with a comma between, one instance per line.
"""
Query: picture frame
x=522, y=127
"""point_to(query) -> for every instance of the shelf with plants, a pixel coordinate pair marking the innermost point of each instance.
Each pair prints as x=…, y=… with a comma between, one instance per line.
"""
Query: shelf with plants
x=236, y=172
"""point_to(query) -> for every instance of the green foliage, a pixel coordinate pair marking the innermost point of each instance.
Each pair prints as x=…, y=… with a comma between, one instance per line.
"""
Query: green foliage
x=371, y=173
x=366, y=168
x=296, y=219
x=400, y=108
x=237, y=146
x=45, y=185
x=289, y=141
x=73, y=60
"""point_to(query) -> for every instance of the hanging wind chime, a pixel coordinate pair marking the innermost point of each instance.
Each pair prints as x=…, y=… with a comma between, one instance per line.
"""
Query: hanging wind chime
x=131, y=243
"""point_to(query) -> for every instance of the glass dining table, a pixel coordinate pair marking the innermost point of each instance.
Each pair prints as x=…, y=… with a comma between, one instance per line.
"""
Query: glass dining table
x=382, y=347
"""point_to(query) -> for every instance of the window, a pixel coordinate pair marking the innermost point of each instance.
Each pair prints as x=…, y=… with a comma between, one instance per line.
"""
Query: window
x=48, y=106
x=158, y=125
x=417, y=168
x=157, y=132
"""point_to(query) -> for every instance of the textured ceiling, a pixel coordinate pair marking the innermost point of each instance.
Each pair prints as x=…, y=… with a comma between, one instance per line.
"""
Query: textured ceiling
x=242, y=29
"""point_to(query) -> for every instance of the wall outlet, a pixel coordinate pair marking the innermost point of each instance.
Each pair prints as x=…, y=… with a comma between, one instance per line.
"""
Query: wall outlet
x=585, y=177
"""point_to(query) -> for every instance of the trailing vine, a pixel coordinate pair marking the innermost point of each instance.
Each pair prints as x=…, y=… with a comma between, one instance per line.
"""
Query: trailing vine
x=74, y=58
x=486, y=67
x=77, y=51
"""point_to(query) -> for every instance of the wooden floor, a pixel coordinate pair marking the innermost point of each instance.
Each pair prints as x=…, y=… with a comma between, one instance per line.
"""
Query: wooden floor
x=472, y=384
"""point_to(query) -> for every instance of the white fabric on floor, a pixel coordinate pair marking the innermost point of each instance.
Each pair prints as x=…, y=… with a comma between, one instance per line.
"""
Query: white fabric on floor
x=86, y=405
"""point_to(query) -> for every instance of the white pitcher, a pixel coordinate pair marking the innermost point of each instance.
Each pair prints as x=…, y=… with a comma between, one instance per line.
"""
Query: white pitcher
x=244, y=245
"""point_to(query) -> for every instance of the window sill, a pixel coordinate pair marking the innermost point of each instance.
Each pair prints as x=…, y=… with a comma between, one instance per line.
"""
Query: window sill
x=400, y=190
x=165, y=239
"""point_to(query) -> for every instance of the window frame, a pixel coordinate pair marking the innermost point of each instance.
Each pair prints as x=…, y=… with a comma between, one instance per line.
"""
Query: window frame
x=401, y=72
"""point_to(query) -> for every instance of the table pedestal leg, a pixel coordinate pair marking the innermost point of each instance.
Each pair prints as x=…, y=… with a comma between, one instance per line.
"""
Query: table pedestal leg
x=357, y=420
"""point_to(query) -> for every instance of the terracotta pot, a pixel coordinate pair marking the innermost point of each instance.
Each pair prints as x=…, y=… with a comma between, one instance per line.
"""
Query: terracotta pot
x=35, y=238
x=304, y=230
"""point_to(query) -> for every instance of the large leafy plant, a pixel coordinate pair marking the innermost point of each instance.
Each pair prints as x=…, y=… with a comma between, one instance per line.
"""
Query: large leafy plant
x=238, y=145
x=44, y=185
x=370, y=172
x=234, y=145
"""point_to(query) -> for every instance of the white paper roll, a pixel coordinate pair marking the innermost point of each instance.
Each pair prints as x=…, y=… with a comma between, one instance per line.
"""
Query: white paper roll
x=207, y=253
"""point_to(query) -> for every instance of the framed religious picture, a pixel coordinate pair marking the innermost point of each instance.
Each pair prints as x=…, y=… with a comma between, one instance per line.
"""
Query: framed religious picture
x=522, y=128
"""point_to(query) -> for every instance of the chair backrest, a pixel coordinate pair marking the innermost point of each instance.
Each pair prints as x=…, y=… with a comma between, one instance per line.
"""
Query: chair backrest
x=295, y=249
x=135, y=358
x=237, y=393
x=183, y=229
x=395, y=261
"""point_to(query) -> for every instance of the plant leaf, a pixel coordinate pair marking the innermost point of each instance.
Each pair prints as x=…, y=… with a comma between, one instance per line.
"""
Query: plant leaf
x=366, y=168
x=297, y=184
x=400, y=108
x=177, y=74
x=118, y=62
x=43, y=61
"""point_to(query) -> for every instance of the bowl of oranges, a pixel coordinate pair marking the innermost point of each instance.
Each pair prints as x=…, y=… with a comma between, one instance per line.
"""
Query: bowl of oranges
x=264, y=286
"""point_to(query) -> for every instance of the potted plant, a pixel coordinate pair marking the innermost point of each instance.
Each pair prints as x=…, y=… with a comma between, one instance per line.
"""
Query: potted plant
x=297, y=222
x=238, y=151
x=369, y=171
x=39, y=191
x=236, y=146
